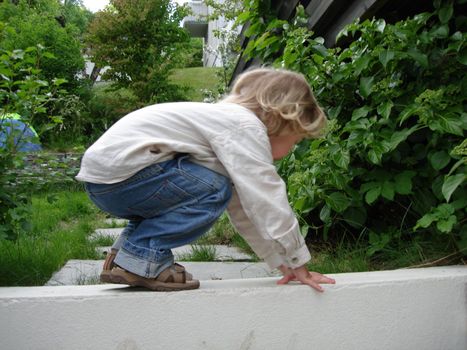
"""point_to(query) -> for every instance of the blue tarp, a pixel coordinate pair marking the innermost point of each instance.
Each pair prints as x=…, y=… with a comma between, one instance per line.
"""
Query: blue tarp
x=24, y=137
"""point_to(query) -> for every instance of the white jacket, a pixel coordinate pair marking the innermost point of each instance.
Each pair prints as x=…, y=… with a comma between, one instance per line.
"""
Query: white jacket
x=224, y=137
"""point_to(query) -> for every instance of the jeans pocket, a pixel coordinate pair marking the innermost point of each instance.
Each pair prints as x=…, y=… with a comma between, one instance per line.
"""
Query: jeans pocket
x=165, y=198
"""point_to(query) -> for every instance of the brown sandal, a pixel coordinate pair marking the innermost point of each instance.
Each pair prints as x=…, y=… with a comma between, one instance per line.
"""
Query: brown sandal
x=108, y=266
x=173, y=278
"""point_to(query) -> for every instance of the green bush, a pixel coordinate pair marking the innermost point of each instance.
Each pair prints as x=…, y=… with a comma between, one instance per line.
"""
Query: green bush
x=22, y=92
x=393, y=163
x=36, y=23
x=87, y=117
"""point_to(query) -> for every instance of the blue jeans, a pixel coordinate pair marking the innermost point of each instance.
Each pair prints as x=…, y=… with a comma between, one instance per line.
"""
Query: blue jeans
x=168, y=204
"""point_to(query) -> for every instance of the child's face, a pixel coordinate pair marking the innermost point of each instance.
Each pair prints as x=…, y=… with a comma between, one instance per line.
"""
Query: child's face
x=282, y=144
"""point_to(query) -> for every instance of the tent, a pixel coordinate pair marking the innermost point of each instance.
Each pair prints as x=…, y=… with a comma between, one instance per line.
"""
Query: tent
x=24, y=137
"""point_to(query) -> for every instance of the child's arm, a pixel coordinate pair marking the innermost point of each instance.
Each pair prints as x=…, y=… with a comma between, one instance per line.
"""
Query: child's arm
x=313, y=279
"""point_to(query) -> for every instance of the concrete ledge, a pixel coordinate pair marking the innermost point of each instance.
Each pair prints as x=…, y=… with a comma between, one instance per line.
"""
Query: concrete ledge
x=401, y=309
x=80, y=272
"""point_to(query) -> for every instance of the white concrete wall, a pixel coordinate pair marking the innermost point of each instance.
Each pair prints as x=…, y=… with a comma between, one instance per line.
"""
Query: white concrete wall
x=212, y=53
x=419, y=309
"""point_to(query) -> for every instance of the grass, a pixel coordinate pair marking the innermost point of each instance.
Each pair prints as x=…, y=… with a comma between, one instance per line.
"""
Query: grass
x=221, y=233
x=197, y=79
x=200, y=252
x=410, y=253
x=60, y=230
x=83, y=279
x=103, y=240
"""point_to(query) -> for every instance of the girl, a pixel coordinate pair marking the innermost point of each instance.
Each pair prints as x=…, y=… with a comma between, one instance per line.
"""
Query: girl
x=172, y=169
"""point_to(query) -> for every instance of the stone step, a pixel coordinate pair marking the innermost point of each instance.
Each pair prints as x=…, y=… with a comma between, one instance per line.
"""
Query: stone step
x=222, y=252
x=106, y=232
x=81, y=272
x=116, y=222
x=184, y=253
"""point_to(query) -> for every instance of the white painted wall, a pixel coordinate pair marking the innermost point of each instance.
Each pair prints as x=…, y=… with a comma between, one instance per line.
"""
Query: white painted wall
x=211, y=55
x=419, y=309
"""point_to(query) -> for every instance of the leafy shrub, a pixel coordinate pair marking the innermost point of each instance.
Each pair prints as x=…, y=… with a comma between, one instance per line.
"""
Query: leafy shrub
x=393, y=162
x=22, y=91
x=36, y=23
x=86, y=117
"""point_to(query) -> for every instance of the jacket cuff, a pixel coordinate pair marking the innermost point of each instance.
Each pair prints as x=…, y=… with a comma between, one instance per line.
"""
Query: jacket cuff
x=298, y=258
x=274, y=261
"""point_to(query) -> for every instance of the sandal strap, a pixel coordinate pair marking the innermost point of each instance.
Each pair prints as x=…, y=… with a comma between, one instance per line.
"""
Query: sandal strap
x=109, y=260
x=173, y=274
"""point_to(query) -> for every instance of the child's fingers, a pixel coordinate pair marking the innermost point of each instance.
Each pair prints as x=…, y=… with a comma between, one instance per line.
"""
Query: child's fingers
x=315, y=286
x=323, y=279
x=286, y=279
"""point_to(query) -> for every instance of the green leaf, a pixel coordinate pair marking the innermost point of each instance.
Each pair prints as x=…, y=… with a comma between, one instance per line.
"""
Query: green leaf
x=361, y=112
x=333, y=112
x=49, y=55
x=366, y=86
x=421, y=58
x=439, y=160
x=445, y=13
x=299, y=204
x=277, y=23
x=403, y=182
x=425, y=221
x=374, y=156
x=254, y=29
x=408, y=111
x=444, y=210
x=267, y=42
x=372, y=195
x=360, y=64
x=341, y=158
x=450, y=124
x=369, y=185
x=459, y=204
x=325, y=214
x=384, y=109
x=58, y=81
x=440, y=32
x=42, y=82
x=399, y=136
x=446, y=226
x=304, y=230
x=355, y=216
x=450, y=185
x=244, y=16
x=338, y=201
x=385, y=57
x=462, y=57
x=387, y=191
x=457, y=164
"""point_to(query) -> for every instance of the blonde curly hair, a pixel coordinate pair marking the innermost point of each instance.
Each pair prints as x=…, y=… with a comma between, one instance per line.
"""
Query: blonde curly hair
x=282, y=99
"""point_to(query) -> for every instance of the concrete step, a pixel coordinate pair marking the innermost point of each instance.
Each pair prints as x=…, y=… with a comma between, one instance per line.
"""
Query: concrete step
x=84, y=272
x=106, y=232
x=116, y=222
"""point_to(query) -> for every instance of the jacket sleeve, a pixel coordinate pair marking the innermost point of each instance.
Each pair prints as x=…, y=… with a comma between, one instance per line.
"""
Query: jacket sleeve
x=259, y=208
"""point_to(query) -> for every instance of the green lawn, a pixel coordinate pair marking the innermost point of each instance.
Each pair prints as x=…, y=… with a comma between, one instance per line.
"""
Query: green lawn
x=197, y=79
x=60, y=229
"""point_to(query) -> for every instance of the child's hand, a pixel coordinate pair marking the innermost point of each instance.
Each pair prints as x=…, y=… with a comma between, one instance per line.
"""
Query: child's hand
x=304, y=276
